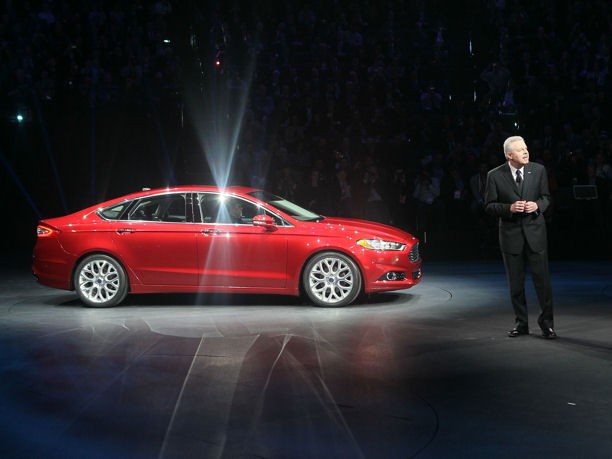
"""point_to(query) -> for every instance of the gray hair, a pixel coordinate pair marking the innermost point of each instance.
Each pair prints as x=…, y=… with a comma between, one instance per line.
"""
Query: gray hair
x=509, y=141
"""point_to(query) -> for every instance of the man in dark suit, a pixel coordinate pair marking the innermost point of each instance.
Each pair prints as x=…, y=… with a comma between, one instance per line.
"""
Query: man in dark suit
x=517, y=193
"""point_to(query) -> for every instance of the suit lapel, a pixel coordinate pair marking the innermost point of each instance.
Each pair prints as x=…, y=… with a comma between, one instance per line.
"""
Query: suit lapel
x=509, y=179
x=528, y=180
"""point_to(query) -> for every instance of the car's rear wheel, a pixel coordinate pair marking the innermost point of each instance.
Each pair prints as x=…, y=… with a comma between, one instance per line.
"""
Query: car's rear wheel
x=331, y=279
x=100, y=281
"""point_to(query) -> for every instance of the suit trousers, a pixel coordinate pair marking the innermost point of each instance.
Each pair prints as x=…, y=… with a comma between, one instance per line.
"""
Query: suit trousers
x=516, y=265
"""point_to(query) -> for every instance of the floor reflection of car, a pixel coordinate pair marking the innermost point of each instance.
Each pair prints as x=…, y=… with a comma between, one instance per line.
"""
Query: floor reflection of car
x=233, y=240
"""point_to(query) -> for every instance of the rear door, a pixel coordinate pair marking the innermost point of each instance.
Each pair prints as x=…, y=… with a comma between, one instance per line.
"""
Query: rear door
x=158, y=241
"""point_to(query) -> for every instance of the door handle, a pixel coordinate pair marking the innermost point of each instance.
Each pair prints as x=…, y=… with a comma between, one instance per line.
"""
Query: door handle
x=211, y=231
x=125, y=230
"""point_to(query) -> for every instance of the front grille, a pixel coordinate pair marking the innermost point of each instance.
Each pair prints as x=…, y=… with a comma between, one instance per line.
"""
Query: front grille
x=414, y=254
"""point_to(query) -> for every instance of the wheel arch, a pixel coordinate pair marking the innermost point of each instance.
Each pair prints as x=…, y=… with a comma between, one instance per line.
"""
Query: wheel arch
x=321, y=250
x=77, y=262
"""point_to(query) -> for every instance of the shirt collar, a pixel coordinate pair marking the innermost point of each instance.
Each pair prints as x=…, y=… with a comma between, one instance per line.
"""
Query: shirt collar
x=514, y=169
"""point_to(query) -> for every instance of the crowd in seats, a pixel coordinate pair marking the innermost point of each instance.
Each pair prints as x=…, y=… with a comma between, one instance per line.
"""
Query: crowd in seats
x=391, y=111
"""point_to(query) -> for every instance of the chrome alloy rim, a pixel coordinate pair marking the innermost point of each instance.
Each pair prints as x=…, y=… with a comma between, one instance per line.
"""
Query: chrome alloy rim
x=331, y=280
x=99, y=281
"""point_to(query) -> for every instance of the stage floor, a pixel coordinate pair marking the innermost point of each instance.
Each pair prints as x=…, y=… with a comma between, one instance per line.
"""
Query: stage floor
x=427, y=372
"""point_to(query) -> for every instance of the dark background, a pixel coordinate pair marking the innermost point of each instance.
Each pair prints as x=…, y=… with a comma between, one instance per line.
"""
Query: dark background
x=296, y=96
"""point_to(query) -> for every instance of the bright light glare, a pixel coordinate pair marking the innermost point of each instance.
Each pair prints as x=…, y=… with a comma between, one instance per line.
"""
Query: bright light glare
x=217, y=119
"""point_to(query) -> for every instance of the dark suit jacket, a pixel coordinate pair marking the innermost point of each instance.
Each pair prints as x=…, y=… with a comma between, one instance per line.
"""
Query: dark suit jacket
x=516, y=229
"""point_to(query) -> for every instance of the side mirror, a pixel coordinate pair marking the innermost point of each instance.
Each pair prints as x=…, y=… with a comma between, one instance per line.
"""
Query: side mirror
x=264, y=220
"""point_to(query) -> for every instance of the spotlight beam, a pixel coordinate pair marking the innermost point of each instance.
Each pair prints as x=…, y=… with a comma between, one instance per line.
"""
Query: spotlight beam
x=216, y=109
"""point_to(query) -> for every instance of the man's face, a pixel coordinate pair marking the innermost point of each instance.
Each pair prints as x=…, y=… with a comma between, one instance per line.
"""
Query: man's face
x=518, y=155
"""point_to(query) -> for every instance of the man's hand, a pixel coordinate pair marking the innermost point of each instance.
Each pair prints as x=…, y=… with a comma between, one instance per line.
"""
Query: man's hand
x=530, y=207
x=527, y=207
x=518, y=206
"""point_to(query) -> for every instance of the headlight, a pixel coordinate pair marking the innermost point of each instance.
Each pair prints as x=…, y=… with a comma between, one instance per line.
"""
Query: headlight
x=379, y=244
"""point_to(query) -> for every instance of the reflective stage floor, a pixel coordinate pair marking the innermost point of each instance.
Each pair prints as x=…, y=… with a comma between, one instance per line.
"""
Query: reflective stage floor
x=427, y=372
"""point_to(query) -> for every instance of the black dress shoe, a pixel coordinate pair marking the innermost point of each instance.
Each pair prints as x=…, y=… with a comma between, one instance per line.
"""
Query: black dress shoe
x=549, y=333
x=517, y=332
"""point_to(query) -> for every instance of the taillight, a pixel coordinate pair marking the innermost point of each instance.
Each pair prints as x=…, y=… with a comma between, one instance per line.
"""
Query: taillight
x=45, y=231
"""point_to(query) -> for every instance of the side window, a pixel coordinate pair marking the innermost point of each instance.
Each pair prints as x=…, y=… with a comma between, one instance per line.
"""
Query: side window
x=163, y=208
x=238, y=211
x=207, y=206
x=114, y=212
x=217, y=208
x=145, y=210
x=174, y=209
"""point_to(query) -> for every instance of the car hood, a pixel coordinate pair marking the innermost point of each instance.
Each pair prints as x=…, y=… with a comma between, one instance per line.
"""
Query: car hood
x=363, y=228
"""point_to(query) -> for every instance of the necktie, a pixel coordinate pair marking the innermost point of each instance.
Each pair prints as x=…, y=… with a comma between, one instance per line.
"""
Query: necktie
x=519, y=178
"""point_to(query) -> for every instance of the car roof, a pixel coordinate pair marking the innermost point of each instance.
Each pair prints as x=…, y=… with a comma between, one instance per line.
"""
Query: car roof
x=170, y=189
x=156, y=191
x=187, y=189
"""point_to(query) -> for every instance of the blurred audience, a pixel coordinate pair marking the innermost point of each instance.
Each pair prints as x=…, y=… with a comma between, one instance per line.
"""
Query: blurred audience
x=391, y=111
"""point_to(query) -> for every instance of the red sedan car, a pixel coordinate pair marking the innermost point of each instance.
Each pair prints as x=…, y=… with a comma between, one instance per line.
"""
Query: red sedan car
x=233, y=240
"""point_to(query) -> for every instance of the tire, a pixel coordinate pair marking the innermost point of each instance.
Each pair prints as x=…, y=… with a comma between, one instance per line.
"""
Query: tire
x=100, y=281
x=332, y=280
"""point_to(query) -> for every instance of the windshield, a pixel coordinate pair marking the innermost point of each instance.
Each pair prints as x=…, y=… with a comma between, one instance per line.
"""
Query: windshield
x=290, y=208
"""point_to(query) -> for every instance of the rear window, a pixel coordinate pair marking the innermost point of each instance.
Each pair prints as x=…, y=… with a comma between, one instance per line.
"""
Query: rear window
x=159, y=208
x=114, y=212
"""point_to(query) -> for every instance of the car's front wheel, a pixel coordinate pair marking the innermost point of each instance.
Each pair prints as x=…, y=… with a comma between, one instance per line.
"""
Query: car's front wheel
x=331, y=279
x=100, y=281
